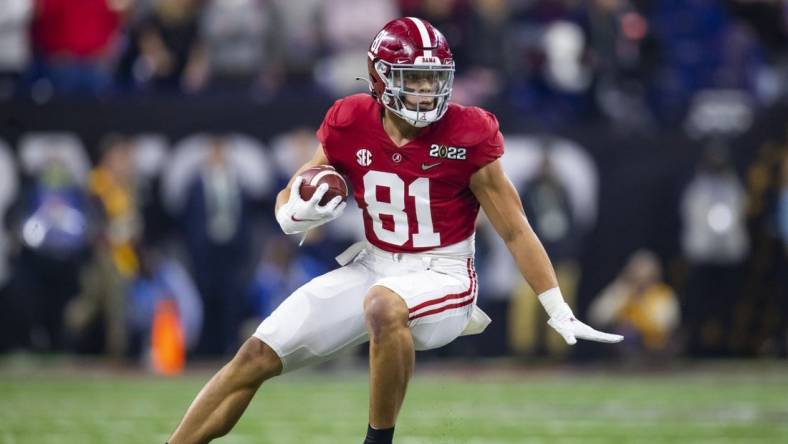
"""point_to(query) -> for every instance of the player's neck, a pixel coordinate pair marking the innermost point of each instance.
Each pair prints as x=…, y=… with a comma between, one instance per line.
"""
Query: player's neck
x=399, y=131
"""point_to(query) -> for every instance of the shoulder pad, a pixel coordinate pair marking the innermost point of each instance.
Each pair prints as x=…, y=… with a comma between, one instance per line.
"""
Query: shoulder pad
x=471, y=125
x=346, y=110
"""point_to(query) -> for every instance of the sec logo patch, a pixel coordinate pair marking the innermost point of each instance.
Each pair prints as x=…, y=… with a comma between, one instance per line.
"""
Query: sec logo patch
x=363, y=157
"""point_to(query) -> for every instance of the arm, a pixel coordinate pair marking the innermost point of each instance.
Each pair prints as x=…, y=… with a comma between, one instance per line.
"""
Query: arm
x=296, y=215
x=501, y=203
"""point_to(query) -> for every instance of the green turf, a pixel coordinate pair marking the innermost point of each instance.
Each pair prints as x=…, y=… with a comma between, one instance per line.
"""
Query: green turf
x=720, y=406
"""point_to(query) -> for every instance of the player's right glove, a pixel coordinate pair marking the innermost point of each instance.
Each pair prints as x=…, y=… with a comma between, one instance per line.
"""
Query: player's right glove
x=299, y=215
x=564, y=322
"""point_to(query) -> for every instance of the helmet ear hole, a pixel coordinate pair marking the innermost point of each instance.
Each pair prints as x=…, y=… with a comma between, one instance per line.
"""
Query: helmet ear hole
x=381, y=69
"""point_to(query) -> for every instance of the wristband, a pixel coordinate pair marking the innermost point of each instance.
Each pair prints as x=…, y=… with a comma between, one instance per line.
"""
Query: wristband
x=554, y=304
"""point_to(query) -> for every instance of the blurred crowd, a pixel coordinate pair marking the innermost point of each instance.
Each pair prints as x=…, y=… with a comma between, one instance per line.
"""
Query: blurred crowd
x=143, y=240
x=93, y=252
x=94, y=255
x=636, y=62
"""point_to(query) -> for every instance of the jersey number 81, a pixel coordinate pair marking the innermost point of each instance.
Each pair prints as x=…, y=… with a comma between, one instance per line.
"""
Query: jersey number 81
x=419, y=189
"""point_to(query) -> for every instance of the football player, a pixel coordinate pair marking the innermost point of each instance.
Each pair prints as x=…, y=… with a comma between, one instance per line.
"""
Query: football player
x=420, y=168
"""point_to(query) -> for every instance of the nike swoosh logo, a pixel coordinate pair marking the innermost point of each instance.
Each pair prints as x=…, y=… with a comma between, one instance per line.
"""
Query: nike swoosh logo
x=295, y=219
x=429, y=166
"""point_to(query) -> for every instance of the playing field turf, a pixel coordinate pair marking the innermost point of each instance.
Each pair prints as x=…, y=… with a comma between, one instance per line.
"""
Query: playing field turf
x=741, y=402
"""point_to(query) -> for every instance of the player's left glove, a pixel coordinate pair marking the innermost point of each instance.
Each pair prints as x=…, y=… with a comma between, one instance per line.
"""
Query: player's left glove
x=564, y=322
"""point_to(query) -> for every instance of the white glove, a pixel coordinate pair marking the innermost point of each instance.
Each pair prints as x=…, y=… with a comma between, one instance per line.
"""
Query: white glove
x=563, y=321
x=299, y=215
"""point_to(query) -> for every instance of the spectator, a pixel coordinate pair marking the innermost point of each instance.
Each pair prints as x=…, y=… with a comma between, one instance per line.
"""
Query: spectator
x=768, y=20
x=347, y=25
x=488, y=36
x=75, y=46
x=213, y=189
x=167, y=50
x=487, y=48
x=101, y=306
x=242, y=44
x=547, y=203
x=715, y=243
x=640, y=306
x=113, y=184
x=764, y=275
x=51, y=221
x=15, y=53
x=625, y=55
x=302, y=36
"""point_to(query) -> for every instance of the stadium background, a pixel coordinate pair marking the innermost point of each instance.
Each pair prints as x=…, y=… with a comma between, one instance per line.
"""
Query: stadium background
x=142, y=144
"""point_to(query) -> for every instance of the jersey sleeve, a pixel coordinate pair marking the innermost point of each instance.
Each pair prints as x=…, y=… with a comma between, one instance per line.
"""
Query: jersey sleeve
x=490, y=142
x=334, y=128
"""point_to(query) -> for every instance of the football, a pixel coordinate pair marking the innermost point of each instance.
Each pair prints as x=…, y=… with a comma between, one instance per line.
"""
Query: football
x=323, y=174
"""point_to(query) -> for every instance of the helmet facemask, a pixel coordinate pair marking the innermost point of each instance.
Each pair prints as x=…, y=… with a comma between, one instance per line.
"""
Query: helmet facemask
x=408, y=86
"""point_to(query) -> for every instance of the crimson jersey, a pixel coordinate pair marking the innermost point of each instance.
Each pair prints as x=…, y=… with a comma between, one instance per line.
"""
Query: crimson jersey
x=416, y=197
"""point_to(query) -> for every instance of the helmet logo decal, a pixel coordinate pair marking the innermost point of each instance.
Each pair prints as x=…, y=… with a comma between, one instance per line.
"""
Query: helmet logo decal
x=378, y=40
x=363, y=157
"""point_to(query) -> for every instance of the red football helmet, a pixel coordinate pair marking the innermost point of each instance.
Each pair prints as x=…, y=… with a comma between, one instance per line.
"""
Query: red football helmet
x=409, y=57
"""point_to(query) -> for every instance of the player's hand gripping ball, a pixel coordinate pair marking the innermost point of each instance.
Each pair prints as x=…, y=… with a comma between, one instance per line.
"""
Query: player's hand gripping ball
x=323, y=174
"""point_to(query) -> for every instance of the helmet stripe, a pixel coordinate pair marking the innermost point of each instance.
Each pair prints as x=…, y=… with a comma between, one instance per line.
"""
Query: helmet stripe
x=425, y=35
